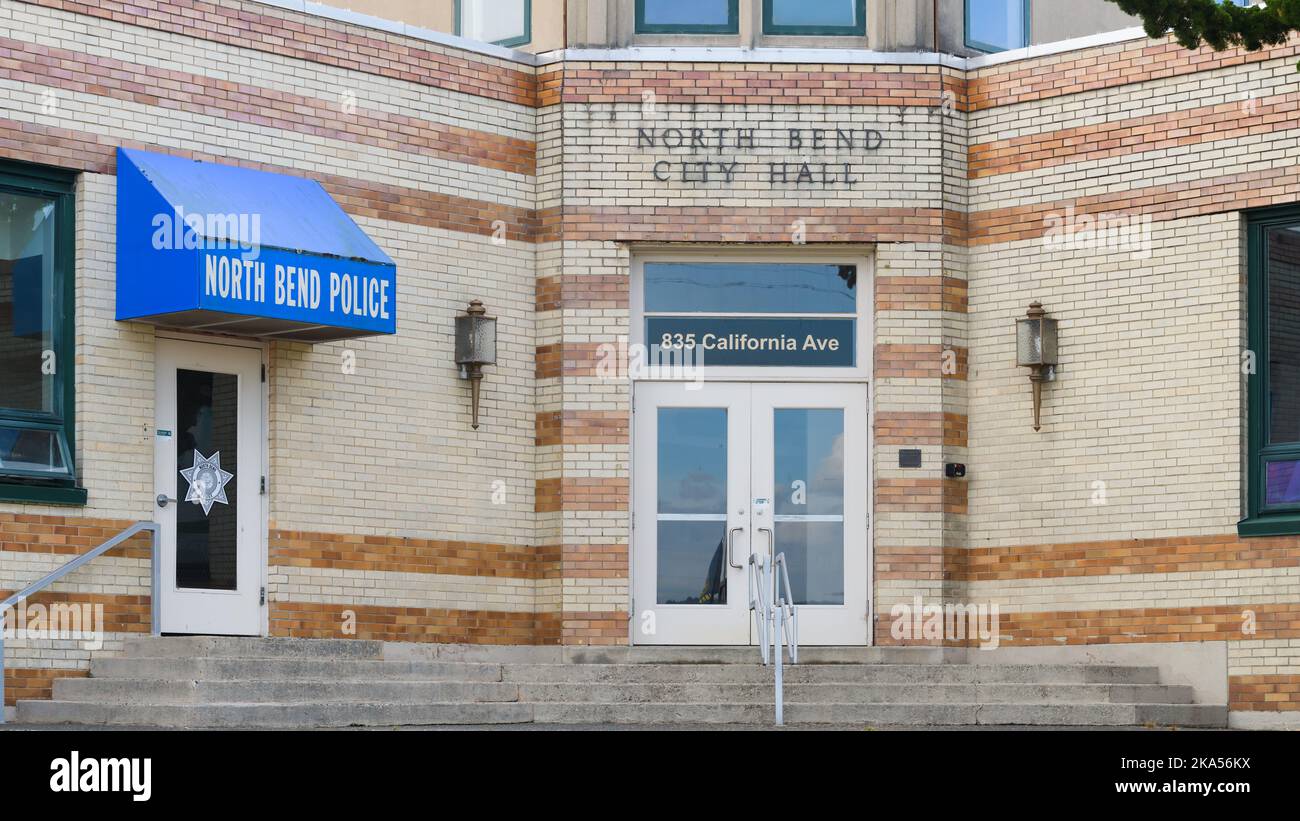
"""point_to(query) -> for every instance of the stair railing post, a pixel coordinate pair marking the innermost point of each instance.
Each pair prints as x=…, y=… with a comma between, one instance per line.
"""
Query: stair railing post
x=776, y=648
x=155, y=624
x=2, y=668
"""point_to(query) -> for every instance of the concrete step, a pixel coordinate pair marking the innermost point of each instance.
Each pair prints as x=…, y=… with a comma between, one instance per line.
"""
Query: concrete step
x=856, y=693
x=205, y=681
x=506, y=654
x=362, y=714
x=219, y=669
x=901, y=714
x=146, y=691
x=274, y=716
x=247, y=647
x=152, y=691
x=831, y=673
x=750, y=655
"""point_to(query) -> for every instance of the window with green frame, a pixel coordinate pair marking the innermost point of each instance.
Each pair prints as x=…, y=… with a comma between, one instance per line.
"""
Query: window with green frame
x=824, y=17
x=997, y=25
x=1273, y=395
x=687, y=16
x=506, y=23
x=36, y=335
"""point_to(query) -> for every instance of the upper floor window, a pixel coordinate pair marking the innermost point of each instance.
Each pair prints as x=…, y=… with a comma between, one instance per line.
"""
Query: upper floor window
x=1273, y=320
x=997, y=25
x=36, y=335
x=500, y=22
x=815, y=17
x=688, y=16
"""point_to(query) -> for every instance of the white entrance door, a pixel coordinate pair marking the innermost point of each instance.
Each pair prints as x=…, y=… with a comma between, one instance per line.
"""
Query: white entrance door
x=208, y=474
x=724, y=470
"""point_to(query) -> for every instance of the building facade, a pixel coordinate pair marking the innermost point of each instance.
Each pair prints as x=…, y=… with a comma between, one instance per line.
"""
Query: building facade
x=751, y=293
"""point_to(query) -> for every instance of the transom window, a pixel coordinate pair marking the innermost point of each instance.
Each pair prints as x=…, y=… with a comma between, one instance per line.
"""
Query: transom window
x=36, y=354
x=688, y=16
x=826, y=17
x=500, y=22
x=752, y=314
x=997, y=25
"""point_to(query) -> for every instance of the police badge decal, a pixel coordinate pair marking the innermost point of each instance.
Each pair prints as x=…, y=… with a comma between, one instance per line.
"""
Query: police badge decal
x=207, y=481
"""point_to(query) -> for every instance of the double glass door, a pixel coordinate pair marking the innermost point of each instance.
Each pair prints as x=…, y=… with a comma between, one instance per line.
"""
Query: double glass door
x=726, y=470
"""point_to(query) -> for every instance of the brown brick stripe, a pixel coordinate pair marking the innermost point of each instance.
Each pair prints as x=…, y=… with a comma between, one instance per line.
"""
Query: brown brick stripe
x=919, y=428
x=756, y=84
x=122, y=613
x=923, y=293
x=587, y=561
x=572, y=359
x=955, y=430
x=603, y=628
x=909, y=495
x=34, y=682
x=1184, y=554
x=289, y=548
x=96, y=153
x=573, y=427
x=1264, y=693
x=1137, y=61
x=910, y=563
x=290, y=34
x=680, y=223
x=921, y=496
x=919, y=361
x=1149, y=624
x=151, y=86
x=68, y=535
x=1180, y=200
x=582, y=291
x=414, y=624
x=573, y=494
x=1115, y=138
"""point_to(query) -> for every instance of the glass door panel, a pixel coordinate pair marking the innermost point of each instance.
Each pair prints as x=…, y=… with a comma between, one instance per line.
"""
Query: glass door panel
x=809, y=458
x=690, y=527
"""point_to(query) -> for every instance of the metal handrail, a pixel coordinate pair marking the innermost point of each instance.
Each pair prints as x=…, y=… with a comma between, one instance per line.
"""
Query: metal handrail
x=777, y=618
x=54, y=575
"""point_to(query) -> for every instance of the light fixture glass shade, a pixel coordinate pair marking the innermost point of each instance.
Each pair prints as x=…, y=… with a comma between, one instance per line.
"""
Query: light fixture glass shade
x=476, y=337
x=1035, y=341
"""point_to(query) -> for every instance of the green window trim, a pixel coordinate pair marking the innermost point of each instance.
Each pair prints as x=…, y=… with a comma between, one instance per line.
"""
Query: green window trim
x=857, y=30
x=988, y=48
x=42, y=494
x=20, y=486
x=1262, y=520
x=732, y=26
x=509, y=42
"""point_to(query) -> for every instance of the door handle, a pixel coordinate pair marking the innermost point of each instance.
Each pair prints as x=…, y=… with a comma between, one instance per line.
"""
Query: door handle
x=771, y=541
x=730, y=560
x=163, y=499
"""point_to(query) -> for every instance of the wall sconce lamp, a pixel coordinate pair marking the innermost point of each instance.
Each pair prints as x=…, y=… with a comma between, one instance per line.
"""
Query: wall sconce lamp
x=1036, y=350
x=476, y=346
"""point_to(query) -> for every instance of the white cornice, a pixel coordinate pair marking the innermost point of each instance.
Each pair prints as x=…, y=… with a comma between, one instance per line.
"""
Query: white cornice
x=670, y=54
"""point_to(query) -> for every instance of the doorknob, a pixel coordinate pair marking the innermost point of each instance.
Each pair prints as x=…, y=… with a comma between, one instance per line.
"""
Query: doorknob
x=771, y=540
x=163, y=499
x=730, y=560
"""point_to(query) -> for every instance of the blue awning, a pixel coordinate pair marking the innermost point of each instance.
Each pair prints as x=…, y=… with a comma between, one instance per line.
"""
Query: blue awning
x=203, y=246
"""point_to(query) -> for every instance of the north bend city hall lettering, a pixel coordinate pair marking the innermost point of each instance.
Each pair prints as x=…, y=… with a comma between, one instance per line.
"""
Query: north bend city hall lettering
x=830, y=145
